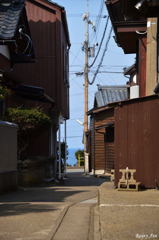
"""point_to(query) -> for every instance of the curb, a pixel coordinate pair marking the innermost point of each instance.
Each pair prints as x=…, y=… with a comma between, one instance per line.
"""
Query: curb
x=101, y=176
x=61, y=217
x=58, y=223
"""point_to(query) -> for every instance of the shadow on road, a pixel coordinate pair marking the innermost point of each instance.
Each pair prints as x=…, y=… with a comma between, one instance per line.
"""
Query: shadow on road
x=37, y=199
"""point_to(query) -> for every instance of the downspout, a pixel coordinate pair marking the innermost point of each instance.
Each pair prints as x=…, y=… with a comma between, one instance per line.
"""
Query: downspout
x=52, y=106
x=94, y=144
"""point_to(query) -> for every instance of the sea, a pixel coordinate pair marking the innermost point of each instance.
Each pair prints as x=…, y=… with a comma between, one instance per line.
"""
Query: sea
x=71, y=157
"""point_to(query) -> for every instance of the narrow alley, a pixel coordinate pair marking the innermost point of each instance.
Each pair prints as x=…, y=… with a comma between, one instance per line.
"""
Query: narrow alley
x=44, y=212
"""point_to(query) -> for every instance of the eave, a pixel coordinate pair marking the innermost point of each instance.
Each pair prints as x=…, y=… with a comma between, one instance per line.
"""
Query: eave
x=9, y=79
x=97, y=110
x=33, y=93
x=126, y=35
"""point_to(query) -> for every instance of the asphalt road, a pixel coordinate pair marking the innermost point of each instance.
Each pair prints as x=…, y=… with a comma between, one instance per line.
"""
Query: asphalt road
x=33, y=213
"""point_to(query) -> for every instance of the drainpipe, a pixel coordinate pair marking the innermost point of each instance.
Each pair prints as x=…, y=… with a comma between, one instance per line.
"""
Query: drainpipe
x=94, y=145
x=65, y=152
x=59, y=147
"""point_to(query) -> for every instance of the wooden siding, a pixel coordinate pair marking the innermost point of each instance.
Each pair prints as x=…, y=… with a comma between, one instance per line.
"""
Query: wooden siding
x=92, y=143
x=97, y=139
x=109, y=157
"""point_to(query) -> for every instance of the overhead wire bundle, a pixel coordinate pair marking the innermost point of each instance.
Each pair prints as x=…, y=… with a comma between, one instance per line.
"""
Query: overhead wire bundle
x=98, y=20
x=100, y=43
x=105, y=49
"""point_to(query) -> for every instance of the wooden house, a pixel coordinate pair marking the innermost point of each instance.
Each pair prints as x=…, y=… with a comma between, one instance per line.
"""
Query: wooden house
x=12, y=43
x=135, y=24
x=101, y=133
x=50, y=72
x=137, y=139
x=135, y=119
x=12, y=14
x=131, y=36
x=40, y=28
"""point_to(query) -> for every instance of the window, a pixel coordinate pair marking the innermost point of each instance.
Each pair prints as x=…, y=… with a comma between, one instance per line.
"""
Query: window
x=110, y=134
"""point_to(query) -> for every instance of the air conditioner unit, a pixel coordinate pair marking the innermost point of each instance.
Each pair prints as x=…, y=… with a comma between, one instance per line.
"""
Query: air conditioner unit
x=134, y=91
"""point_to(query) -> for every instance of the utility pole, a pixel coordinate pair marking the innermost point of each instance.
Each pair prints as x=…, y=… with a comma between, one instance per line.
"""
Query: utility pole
x=86, y=18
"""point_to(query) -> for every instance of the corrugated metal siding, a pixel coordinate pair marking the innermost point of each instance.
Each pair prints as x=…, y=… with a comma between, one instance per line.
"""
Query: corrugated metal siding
x=46, y=33
x=64, y=90
x=5, y=63
x=137, y=140
x=47, y=36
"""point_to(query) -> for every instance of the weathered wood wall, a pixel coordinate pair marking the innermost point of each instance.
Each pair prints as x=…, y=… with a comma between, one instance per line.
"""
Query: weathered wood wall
x=98, y=146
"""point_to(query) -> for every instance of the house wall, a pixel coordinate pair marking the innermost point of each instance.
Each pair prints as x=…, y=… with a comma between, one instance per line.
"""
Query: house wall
x=137, y=140
x=8, y=156
x=97, y=139
x=92, y=143
x=109, y=149
x=151, y=65
x=47, y=36
x=142, y=65
x=4, y=63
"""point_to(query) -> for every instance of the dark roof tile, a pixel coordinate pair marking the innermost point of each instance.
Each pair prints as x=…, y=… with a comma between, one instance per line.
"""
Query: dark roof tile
x=9, y=19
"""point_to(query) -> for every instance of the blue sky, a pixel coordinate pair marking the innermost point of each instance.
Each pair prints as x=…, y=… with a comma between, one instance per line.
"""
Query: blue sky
x=114, y=61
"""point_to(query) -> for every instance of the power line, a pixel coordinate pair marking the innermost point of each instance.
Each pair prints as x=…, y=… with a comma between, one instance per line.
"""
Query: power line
x=100, y=43
x=101, y=58
x=73, y=72
x=73, y=137
x=77, y=58
x=110, y=77
x=71, y=119
x=80, y=15
x=98, y=20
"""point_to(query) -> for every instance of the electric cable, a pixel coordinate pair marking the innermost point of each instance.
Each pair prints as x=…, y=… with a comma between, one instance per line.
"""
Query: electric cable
x=110, y=76
x=97, y=21
x=75, y=57
x=100, y=43
x=101, y=58
x=31, y=51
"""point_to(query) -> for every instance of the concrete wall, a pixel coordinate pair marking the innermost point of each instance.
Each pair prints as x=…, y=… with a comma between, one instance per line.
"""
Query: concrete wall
x=8, y=156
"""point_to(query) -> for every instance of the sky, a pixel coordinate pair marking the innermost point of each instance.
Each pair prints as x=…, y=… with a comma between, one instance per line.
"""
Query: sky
x=114, y=61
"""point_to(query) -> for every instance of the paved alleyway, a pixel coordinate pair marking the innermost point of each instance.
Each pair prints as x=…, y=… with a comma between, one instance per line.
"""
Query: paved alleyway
x=34, y=213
